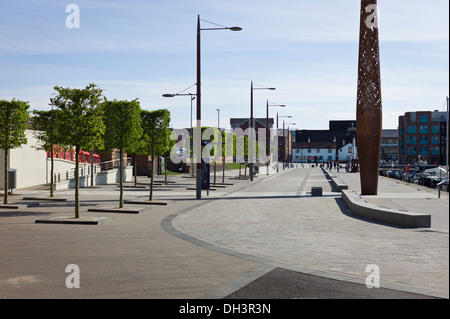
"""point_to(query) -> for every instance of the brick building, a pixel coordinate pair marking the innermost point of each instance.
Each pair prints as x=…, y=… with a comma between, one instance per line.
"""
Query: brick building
x=422, y=137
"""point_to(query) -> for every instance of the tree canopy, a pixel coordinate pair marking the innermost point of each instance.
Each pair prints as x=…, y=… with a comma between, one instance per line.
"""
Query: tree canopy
x=123, y=130
x=80, y=123
x=156, y=136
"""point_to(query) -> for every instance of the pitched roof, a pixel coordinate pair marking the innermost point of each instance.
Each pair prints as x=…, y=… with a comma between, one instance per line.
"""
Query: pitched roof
x=236, y=122
x=314, y=145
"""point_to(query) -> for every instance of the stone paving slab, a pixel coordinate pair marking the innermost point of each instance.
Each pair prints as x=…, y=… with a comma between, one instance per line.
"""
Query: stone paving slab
x=214, y=246
x=319, y=235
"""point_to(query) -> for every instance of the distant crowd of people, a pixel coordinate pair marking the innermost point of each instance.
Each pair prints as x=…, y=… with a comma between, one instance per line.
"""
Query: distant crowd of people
x=329, y=165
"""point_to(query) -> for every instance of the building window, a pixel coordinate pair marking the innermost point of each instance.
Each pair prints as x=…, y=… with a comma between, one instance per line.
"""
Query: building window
x=411, y=129
x=436, y=129
x=435, y=140
x=411, y=140
x=423, y=129
x=350, y=149
x=309, y=150
x=424, y=139
x=330, y=150
x=435, y=150
x=423, y=118
x=412, y=150
x=423, y=150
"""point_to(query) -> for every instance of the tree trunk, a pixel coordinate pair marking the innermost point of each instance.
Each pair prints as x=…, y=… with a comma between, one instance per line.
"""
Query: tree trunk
x=151, y=179
x=135, y=170
x=121, y=179
x=77, y=182
x=223, y=170
x=165, y=168
x=51, y=172
x=5, y=199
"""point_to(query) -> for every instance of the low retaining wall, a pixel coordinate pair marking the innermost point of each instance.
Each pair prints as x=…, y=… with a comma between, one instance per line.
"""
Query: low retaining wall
x=103, y=178
x=361, y=208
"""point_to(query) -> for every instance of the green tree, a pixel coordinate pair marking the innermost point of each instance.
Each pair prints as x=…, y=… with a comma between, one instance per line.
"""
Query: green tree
x=123, y=130
x=45, y=124
x=156, y=137
x=13, y=123
x=80, y=123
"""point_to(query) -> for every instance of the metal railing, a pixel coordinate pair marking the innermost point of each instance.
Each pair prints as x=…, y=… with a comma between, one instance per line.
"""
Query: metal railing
x=85, y=170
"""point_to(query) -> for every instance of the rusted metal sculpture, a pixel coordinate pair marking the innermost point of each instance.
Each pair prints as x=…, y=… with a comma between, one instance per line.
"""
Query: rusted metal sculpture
x=369, y=109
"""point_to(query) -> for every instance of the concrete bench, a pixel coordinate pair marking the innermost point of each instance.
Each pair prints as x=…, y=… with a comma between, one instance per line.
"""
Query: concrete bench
x=361, y=208
x=338, y=184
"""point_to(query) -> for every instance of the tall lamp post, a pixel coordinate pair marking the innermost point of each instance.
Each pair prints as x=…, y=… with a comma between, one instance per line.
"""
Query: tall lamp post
x=284, y=141
x=290, y=144
x=278, y=156
x=267, y=131
x=218, y=119
x=192, y=98
x=251, y=125
x=198, y=138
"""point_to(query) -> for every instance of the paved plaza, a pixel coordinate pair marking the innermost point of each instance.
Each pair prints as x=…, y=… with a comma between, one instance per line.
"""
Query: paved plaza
x=263, y=239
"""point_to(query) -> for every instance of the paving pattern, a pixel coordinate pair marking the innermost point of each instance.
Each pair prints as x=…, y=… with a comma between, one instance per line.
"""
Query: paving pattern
x=277, y=220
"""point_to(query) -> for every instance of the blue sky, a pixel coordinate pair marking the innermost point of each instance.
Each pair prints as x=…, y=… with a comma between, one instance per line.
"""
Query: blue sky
x=306, y=49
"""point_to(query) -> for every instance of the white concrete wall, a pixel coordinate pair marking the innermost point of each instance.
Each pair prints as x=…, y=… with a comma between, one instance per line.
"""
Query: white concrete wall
x=29, y=162
x=33, y=167
x=323, y=152
x=103, y=178
x=62, y=166
x=344, y=154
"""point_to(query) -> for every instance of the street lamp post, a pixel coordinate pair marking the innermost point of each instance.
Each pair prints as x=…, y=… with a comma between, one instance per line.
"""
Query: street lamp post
x=218, y=119
x=278, y=156
x=198, y=138
x=267, y=131
x=192, y=98
x=251, y=126
x=290, y=145
x=284, y=141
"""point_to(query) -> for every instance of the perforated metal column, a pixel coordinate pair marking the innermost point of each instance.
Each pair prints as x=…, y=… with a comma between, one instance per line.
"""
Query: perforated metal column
x=369, y=106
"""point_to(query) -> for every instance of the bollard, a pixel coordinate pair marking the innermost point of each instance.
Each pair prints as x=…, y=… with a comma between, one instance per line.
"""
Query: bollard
x=316, y=191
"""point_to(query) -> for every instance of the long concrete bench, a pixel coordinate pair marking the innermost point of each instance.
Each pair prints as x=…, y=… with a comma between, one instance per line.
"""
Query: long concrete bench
x=340, y=185
x=361, y=208
x=337, y=183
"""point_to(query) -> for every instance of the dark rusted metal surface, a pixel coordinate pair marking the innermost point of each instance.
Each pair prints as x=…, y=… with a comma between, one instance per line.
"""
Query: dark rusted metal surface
x=369, y=108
